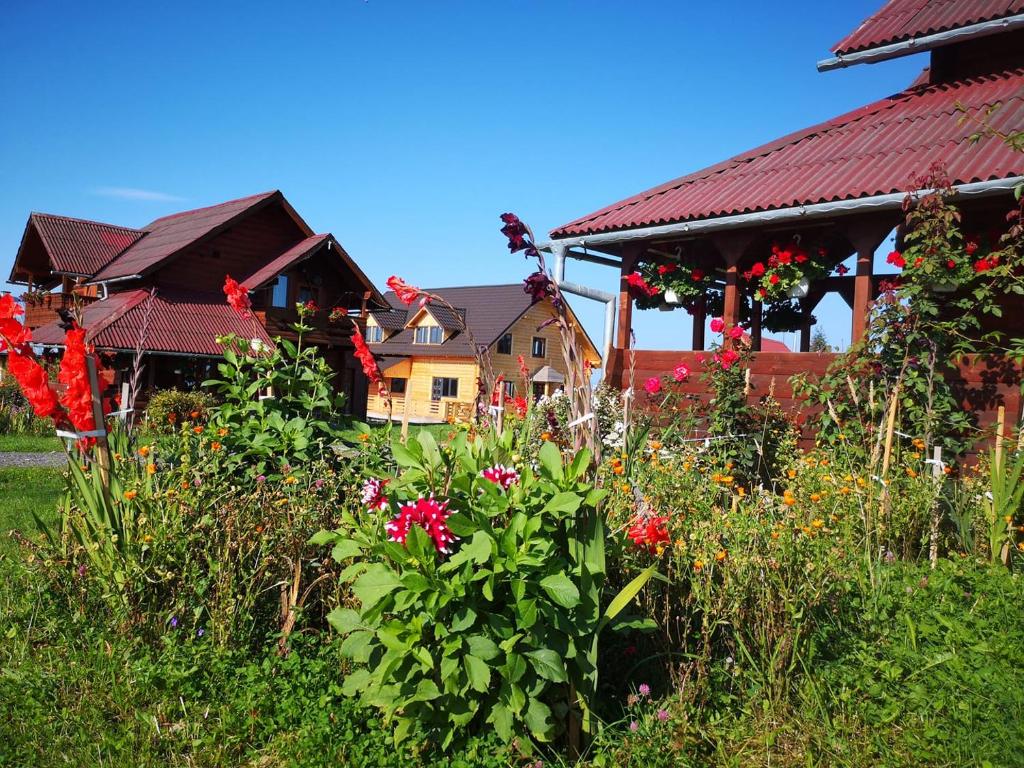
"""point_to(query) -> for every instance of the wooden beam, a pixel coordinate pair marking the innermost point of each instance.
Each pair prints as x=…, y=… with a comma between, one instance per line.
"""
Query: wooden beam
x=865, y=236
x=755, y=325
x=630, y=257
x=700, y=316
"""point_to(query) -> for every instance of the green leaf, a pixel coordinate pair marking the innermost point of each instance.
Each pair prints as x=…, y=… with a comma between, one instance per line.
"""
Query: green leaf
x=355, y=681
x=538, y=720
x=477, y=549
x=482, y=647
x=375, y=584
x=526, y=613
x=345, y=549
x=463, y=619
x=567, y=502
x=322, y=537
x=561, y=589
x=460, y=525
x=478, y=672
x=550, y=461
x=501, y=719
x=357, y=645
x=344, y=620
x=548, y=664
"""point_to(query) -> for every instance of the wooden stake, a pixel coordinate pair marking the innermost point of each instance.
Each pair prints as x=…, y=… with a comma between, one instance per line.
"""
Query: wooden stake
x=1000, y=433
x=102, y=448
x=501, y=409
x=405, y=415
x=933, y=548
x=890, y=429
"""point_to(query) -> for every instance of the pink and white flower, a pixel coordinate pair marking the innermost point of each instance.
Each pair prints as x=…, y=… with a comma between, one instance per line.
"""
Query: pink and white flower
x=373, y=494
x=428, y=513
x=501, y=475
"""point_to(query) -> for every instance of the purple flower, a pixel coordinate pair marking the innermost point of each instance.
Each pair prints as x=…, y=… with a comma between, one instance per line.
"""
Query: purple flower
x=539, y=286
x=318, y=484
x=174, y=622
x=634, y=726
x=200, y=632
x=662, y=715
x=82, y=571
x=197, y=482
x=515, y=231
x=261, y=479
x=645, y=689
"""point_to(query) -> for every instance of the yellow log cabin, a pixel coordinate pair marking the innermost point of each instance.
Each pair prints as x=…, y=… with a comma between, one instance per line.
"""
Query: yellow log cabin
x=427, y=359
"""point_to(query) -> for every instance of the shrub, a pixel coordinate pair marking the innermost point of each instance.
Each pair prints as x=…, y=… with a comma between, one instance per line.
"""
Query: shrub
x=169, y=408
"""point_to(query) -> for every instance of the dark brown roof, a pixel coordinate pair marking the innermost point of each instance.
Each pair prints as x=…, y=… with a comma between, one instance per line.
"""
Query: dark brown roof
x=270, y=270
x=489, y=311
x=447, y=318
x=78, y=246
x=391, y=319
x=168, y=235
x=179, y=322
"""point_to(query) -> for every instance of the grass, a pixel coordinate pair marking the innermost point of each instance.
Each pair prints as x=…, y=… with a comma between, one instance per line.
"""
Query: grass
x=29, y=443
x=24, y=490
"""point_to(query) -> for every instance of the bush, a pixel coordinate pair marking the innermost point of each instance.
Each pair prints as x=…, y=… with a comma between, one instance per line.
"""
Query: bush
x=168, y=408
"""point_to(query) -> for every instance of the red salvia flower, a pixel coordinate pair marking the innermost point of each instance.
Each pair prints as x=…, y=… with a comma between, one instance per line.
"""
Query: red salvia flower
x=238, y=297
x=430, y=515
x=406, y=293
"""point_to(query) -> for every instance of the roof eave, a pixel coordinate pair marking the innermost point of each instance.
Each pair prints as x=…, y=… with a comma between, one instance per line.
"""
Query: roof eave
x=922, y=43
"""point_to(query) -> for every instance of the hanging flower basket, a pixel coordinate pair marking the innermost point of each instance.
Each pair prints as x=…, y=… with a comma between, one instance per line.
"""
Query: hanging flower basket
x=788, y=272
x=668, y=285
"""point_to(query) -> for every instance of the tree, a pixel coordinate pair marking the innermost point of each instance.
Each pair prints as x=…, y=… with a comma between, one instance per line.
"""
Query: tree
x=819, y=342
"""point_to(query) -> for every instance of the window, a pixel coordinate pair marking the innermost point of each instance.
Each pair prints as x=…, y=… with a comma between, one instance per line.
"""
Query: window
x=374, y=333
x=540, y=346
x=505, y=344
x=428, y=334
x=305, y=295
x=510, y=389
x=397, y=386
x=444, y=387
x=279, y=292
x=538, y=391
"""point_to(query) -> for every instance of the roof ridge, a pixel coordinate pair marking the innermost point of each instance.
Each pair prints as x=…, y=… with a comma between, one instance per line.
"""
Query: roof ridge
x=210, y=207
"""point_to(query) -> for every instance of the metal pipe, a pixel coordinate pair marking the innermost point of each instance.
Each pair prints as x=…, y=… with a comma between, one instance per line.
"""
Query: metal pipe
x=892, y=201
x=923, y=43
x=586, y=292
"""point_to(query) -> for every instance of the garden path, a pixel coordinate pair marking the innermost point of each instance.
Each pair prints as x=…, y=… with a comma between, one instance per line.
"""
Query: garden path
x=23, y=459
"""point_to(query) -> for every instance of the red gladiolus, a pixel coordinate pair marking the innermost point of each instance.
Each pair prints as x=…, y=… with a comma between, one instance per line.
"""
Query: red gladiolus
x=430, y=515
x=681, y=372
x=717, y=325
x=640, y=286
x=74, y=375
x=523, y=370
x=896, y=259
x=519, y=406
x=407, y=294
x=368, y=361
x=238, y=297
x=653, y=385
x=649, y=531
x=34, y=383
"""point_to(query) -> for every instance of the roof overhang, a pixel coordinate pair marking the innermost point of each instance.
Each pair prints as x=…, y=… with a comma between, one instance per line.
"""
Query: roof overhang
x=923, y=43
x=611, y=242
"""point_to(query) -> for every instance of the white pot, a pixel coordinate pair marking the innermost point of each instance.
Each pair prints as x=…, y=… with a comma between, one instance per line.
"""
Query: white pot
x=801, y=289
x=671, y=297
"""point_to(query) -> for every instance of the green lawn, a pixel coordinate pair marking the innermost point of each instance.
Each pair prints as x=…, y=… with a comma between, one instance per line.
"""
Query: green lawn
x=22, y=492
x=29, y=443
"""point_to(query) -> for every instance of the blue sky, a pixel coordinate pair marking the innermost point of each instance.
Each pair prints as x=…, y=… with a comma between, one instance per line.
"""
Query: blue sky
x=405, y=128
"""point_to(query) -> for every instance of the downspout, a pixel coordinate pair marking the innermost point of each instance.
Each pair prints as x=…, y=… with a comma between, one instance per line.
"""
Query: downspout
x=559, y=252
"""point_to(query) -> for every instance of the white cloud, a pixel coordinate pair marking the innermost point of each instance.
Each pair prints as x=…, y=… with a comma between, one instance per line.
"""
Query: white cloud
x=130, y=193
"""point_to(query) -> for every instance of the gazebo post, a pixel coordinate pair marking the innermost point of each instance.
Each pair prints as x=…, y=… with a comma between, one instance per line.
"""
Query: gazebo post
x=756, y=309
x=630, y=257
x=731, y=246
x=865, y=237
x=700, y=316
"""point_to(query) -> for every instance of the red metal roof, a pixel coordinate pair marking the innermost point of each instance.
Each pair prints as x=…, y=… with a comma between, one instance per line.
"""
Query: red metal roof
x=272, y=269
x=81, y=247
x=184, y=323
x=900, y=20
x=168, y=235
x=874, y=150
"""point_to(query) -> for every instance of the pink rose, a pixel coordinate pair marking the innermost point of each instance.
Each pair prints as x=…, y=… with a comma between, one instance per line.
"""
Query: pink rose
x=736, y=332
x=681, y=372
x=653, y=385
x=717, y=325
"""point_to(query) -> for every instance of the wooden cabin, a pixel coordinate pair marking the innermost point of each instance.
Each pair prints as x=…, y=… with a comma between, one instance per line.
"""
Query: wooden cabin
x=427, y=353
x=159, y=289
x=839, y=185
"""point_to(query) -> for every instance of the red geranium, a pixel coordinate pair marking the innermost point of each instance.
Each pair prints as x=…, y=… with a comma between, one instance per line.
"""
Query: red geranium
x=896, y=259
x=640, y=286
x=238, y=297
x=666, y=269
x=649, y=531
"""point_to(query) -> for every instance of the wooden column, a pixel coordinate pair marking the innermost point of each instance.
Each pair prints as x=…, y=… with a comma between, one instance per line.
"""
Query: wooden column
x=865, y=236
x=731, y=246
x=630, y=257
x=805, y=334
x=755, y=325
x=700, y=316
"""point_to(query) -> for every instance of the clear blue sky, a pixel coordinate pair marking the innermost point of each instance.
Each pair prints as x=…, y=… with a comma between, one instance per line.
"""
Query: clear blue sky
x=405, y=128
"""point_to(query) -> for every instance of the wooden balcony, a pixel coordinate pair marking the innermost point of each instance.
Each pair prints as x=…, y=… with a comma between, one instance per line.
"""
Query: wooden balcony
x=43, y=309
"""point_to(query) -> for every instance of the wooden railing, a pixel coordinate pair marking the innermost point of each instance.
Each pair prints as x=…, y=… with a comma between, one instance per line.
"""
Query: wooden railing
x=43, y=309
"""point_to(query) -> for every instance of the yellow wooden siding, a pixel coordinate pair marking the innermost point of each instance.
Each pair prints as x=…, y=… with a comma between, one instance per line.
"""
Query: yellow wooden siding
x=419, y=386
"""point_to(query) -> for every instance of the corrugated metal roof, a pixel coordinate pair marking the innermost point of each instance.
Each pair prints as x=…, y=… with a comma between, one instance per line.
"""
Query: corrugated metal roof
x=391, y=319
x=446, y=318
x=79, y=246
x=168, y=235
x=874, y=150
x=272, y=269
x=900, y=20
x=184, y=323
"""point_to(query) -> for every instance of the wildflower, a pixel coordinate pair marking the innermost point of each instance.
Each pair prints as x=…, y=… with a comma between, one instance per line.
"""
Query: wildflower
x=174, y=622
x=653, y=385
x=429, y=514
x=817, y=523
x=198, y=429
x=500, y=475
x=222, y=432
x=318, y=483
x=911, y=472
x=545, y=436
x=215, y=446
x=129, y=495
x=363, y=437
x=290, y=480
x=721, y=555
x=200, y=632
x=261, y=479
x=815, y=497
x=698, y=564
x=634, y=726
x=717, y=325
x=655, y=445
x=624, y=488
x=662, y=715
x=407, y=294
x=147, y=539
x=238, y=297
x=144, y=451
x=649, y=531
x=644, y=689
x=791, y=473
x=151, y=469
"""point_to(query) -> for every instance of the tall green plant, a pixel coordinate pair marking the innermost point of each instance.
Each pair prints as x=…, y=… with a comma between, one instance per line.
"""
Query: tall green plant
x=1003, y=501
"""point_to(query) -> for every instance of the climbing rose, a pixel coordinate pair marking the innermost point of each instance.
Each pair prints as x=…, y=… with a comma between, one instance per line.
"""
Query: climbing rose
x=648, y=531
x=430, y=515
x=640, y=286
x=681, y=372
x=717, y=325
x=896, y=259
x=501, y=475
x=726, y=358
x=653, y=385
x=736, y=332
x=406, y=293
x=373, y=494
x=238, y=297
